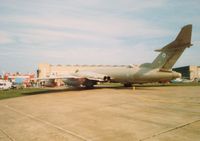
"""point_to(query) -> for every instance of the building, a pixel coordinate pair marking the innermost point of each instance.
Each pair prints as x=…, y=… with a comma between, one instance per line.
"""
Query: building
x=47, y=70
x=20, y=78
x=189, y=72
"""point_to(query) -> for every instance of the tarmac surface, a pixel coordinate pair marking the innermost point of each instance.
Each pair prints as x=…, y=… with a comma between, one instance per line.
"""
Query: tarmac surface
x=104, y=114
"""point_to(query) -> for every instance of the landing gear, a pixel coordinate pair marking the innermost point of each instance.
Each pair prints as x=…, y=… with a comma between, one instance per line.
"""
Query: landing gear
x=90, y=84
x=127, y=85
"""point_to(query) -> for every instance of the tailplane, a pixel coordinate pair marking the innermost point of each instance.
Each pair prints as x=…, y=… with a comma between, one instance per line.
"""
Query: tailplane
x=170, y=53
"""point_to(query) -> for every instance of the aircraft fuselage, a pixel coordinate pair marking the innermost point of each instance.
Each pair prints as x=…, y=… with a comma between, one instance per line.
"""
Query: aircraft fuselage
x=137, y=74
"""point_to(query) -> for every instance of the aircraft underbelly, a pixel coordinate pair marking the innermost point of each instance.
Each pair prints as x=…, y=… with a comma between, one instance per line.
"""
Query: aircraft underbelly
x=141, y=75
x=122, y=76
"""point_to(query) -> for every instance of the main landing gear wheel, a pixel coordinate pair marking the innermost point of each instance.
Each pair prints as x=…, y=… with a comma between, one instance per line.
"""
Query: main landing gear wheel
x=89, y=86
x=127, y=85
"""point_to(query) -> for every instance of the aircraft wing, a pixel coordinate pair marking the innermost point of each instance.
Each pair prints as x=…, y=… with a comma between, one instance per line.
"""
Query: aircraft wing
x=58, y=77
x=90, y=75
x=79, y=78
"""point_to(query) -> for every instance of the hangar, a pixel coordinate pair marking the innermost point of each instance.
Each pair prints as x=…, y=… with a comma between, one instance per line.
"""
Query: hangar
x=189, y=72
x=47, y=70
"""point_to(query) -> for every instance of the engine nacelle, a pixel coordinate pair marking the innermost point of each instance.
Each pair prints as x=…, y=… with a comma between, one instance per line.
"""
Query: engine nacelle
x=106, y=78
x=74, y=81
x=48, y=83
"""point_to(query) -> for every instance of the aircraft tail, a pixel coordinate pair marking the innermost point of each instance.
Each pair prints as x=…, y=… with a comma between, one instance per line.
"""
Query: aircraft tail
x=171, y=52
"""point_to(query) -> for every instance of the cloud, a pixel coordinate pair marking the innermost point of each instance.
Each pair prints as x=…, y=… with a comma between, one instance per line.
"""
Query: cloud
x=196, y=43
x=4, y=38
x=127, y=5
x=100, y=27
x=91, y=55
x=44, y=36
x=71, y=21
x=90, y=31
x=79, y=6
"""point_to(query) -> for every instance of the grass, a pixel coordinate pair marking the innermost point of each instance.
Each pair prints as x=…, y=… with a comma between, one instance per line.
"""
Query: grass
x=149, y=84
x=20, y=92
x=109, y=85
x=167, y=84
x=11, y=93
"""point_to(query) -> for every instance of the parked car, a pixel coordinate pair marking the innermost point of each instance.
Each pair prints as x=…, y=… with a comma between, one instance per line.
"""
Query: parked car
x=14, y=85
x=5, y=85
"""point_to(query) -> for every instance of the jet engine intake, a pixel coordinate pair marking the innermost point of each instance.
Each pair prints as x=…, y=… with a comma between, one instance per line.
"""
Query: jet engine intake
x=106, y=78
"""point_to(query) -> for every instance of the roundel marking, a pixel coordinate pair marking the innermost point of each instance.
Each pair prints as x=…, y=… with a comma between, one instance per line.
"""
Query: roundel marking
x=164, y=55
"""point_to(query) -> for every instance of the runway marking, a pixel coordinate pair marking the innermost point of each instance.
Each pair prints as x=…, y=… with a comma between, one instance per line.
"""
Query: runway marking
x=6, y=134
x=45, y=122
x=169, y=130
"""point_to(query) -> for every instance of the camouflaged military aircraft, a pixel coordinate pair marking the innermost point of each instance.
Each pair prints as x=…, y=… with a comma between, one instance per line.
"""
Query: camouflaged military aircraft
x=160, y=70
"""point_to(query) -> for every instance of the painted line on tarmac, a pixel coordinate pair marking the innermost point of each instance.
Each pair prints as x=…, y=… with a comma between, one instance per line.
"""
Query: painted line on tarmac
x=169, y=130
x=7, y=135
x=47, y=123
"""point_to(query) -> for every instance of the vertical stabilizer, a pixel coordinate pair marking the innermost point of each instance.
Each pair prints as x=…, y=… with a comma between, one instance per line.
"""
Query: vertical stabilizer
x=171, y=52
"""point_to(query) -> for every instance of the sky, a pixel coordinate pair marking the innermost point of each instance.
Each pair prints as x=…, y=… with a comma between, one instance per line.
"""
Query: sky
x=114, y=32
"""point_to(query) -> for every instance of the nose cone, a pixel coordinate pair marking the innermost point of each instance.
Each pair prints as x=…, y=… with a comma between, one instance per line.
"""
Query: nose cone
x=176, y=75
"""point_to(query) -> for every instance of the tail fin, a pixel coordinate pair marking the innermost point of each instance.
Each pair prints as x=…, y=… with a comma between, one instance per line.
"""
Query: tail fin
x=171, y=52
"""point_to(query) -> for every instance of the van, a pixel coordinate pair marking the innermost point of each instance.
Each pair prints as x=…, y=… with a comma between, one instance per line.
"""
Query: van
x=5, y=85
